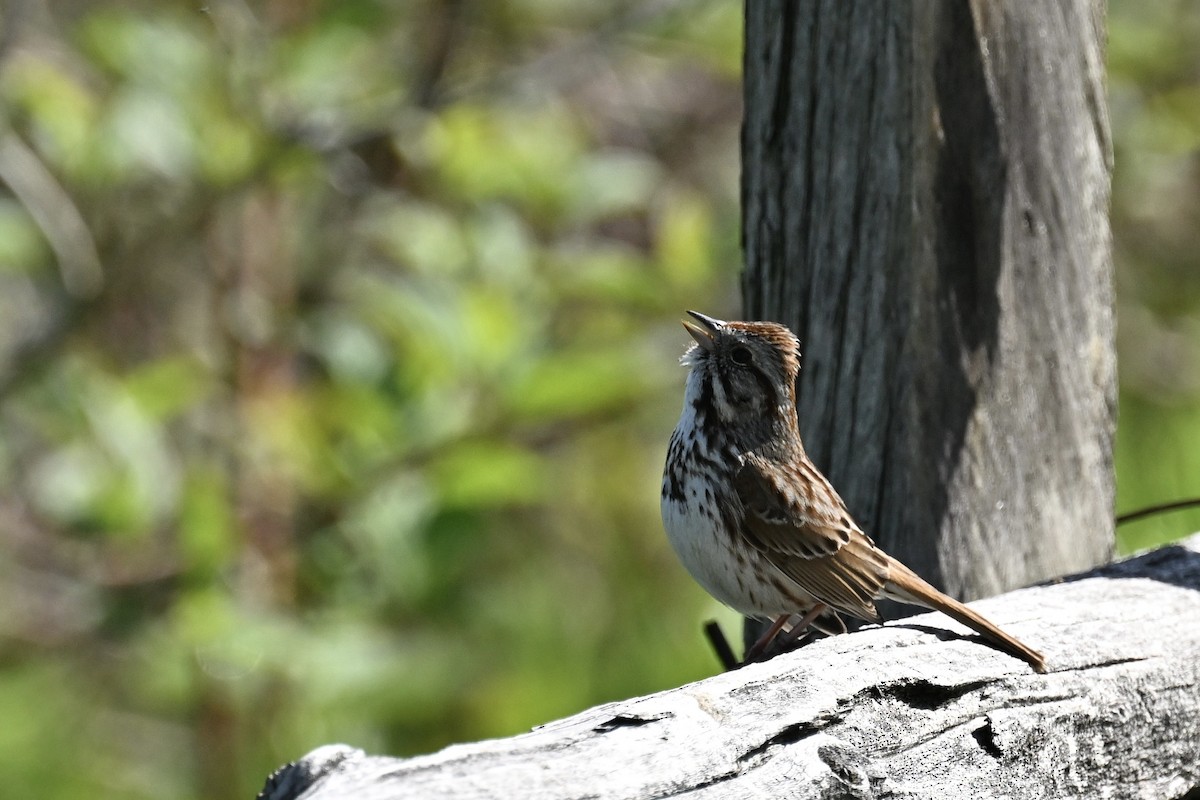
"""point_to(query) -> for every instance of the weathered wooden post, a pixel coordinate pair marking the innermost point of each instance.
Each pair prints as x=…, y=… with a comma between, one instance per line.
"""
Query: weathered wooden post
x=925, y=195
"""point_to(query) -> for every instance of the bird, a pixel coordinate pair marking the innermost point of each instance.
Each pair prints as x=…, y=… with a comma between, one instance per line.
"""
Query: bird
x=753, y=519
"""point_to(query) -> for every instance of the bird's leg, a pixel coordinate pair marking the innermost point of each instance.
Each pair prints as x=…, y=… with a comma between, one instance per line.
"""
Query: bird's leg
x=800, y=627
x=758, y=647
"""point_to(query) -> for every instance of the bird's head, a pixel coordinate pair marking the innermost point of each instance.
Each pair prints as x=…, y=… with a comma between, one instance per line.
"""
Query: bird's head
x=746, y=371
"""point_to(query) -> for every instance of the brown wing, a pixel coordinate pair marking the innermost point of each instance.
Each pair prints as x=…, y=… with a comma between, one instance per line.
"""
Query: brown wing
x=799, y=522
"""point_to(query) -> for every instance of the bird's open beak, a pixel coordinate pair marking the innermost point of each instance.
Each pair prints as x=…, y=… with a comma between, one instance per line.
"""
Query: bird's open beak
x=706, y=332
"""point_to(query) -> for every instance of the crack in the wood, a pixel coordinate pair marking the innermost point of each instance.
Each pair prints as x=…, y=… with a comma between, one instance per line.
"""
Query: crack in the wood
x=790, y=734
x=926, y=695
x=691, y=787
x=781, y=103
x=922, y=695
x=1014, y=703
x=627, y=721
x=985, y=736
x=797, y=731
x=1097, y=664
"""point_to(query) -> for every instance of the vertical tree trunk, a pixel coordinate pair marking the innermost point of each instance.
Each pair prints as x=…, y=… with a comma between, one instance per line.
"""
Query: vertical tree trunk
x=925, y=193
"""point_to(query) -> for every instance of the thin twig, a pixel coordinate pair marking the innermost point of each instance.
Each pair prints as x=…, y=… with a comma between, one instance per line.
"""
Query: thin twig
x=720, y=645
x=1161, y=508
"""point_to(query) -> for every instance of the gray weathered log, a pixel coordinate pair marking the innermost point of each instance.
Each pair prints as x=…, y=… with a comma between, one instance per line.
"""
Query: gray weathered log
x=909, y=710
x=925, y=191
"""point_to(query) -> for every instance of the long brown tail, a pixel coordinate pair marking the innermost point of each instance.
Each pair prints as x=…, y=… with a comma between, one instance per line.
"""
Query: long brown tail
x=905, y=585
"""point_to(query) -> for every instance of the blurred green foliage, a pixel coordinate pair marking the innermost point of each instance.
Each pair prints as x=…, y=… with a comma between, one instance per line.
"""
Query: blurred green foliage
x=1154, y=96
x=336, y=364
x=339, y=415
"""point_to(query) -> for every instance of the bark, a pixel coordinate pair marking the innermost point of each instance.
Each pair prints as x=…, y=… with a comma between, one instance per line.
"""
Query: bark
x=912, y=709
x=925, y=194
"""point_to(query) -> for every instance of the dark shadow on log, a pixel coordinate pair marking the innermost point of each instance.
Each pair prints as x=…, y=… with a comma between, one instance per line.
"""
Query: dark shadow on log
x=1174, y=564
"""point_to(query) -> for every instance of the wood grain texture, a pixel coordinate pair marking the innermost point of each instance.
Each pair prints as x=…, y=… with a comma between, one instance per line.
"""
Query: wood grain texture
x=925, y=191
x=914, y=709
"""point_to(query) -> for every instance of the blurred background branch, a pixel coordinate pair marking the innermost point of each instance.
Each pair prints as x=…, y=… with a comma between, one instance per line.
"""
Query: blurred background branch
x=57, y=218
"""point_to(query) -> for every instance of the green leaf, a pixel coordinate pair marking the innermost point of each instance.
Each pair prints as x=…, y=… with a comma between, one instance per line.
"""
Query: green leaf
x=207, y=528
x=167, y=386
x=684, y=244
x=477, y=474
x=577, y=382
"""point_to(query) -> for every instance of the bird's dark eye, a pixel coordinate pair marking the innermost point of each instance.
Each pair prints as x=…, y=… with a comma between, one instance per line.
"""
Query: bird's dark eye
x=740, y=356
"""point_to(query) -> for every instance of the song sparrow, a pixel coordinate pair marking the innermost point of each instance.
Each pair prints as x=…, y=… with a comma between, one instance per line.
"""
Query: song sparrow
x=754, y=522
